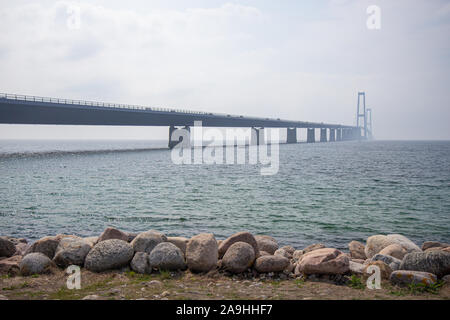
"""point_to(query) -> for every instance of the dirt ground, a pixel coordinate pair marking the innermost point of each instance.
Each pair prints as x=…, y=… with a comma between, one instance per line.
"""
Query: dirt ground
x=117, y=285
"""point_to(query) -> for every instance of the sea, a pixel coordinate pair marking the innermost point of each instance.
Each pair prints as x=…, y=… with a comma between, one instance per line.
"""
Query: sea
x=328, y=193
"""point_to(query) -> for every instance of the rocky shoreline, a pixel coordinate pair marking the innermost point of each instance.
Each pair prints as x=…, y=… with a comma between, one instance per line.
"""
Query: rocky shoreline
x=401, y=262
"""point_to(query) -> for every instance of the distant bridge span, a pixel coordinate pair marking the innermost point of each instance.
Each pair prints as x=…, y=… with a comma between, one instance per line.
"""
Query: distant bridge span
x=22, y=109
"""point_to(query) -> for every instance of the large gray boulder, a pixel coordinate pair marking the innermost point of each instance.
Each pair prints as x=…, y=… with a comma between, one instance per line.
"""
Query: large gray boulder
x=376, y=243
x=434, y=244
x=202, y=253
x=436, y=262
x=266, y=243
x=7, y=247
x=112, y=233
x=167, y=256
x=15, y=241
x=180, y=242
x=10, y=266
x=403, y=241
x=140, y=263
x=146, y=241
x=271, y=263
x=313, y=247
x=243, y=236
x=446, y=279
x=21, y=248
x=288, y=249
x=282, y=252
x=357, y=250
x=394, y=250
x=263, y=253
x=385, y=269
x=91, y=240
x=392, y=262
x=323, y=261
x=131, y=236
x=109, y=254
x=35, y=263
x=356, y=268
x=297, y=255
x=71, y=251
x=46, y=245
x=238, y=257
x=406, y=277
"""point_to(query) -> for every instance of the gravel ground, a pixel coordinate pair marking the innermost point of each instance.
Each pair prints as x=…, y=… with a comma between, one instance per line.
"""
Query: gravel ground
x=187, y=286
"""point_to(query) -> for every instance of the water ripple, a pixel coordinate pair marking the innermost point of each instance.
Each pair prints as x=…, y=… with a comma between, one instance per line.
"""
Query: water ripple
x=329, y=193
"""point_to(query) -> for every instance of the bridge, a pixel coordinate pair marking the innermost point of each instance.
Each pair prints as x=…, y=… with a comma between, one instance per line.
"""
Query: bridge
x=23, y=109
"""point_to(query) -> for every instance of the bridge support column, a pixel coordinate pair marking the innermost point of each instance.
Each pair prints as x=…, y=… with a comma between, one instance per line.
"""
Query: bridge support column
x=332, y=135
x=323, y=135
x=257, y=136
x=351, y=134
x=344, y=134
x=339, y=134
x=357, y=134
x=310, y=138
x=176, y=137
x=291, y=135
x=347, y=134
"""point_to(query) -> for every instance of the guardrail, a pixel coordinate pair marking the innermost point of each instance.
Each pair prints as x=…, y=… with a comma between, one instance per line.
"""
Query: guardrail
x=22, y=97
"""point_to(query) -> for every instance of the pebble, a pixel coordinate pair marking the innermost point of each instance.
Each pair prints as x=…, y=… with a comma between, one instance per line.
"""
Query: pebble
x=165, y=294
x=155, y=283
x=92, y=297
x=114, y=291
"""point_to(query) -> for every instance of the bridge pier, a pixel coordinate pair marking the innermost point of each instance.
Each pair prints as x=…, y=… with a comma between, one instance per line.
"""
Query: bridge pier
x=257, y=136
x=291, y=136
x=345, y=134
x=357, y=134
x=181, y=135
x=339, y=134
x=310, y=137
x=349, y=134
x=323, y=135
x=332, y=135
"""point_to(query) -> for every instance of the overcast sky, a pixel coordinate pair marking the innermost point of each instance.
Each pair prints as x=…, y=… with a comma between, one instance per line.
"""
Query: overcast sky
x=299, y=60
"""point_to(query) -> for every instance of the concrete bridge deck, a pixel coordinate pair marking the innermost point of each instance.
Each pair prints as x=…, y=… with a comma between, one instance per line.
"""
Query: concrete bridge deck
x=22, y=109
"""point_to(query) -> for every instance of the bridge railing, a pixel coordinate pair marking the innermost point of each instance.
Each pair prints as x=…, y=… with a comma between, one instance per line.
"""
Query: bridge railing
x=22, y=97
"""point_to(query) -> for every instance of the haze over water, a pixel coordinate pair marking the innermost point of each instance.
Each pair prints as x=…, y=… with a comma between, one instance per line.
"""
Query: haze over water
x=324, y=192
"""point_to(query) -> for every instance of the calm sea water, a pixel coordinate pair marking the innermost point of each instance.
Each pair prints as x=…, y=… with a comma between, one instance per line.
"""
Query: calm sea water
x=331, y=192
